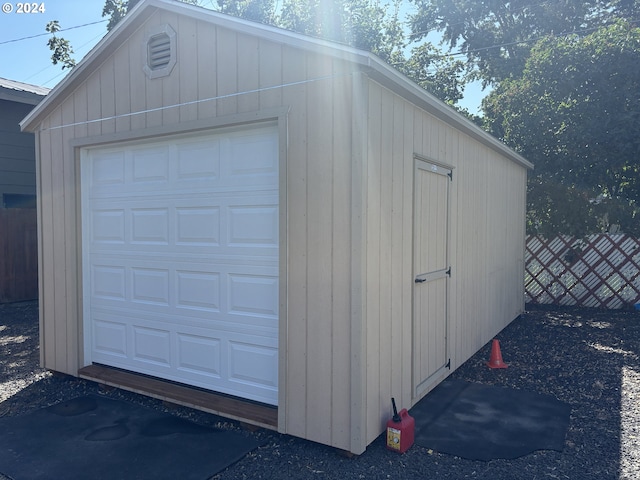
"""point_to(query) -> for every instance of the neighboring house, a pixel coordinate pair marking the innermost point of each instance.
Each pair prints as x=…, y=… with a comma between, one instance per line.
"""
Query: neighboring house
x=230, y=207
x=18, y=235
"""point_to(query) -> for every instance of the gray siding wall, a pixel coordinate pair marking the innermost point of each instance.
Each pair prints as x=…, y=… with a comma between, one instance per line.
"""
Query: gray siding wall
x=17, y=151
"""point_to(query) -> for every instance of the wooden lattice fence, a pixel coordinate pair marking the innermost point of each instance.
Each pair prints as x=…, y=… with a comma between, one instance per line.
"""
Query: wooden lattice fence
x=596, y=271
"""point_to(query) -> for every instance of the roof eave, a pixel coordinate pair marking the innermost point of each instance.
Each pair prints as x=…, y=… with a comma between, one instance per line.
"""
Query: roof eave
x=19, y=96
x=396, y=81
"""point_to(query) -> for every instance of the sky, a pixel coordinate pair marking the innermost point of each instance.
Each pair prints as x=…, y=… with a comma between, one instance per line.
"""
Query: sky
x=25, y=56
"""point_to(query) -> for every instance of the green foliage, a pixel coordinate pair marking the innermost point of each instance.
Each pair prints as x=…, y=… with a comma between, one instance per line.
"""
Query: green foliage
x=439, y=74
x=116, y=10
x=575, y=113
x=262, y=11
x=496, y=35
x=364, y=24
x=60, y=47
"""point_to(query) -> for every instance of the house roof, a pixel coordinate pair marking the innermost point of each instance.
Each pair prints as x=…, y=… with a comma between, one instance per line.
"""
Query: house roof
x=21, y=92
x=374, y=67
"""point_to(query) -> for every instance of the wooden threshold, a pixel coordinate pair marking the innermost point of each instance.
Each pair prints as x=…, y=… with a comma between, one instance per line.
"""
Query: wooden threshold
x=211, y=402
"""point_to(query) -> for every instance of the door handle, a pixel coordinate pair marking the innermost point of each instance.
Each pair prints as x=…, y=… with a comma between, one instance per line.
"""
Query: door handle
x=420, y=280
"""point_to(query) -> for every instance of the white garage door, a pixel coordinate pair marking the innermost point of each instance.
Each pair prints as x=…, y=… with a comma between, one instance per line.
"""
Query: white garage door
x=180, y=260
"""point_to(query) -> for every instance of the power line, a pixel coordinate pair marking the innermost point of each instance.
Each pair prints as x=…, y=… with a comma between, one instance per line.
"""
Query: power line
x=47, y=33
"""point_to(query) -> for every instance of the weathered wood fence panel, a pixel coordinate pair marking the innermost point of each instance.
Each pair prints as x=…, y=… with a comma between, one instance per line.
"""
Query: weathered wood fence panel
x=597, y=271
x=18, y=255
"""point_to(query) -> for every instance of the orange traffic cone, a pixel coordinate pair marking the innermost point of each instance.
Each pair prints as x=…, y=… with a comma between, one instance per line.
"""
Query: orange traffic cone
x=495, y=361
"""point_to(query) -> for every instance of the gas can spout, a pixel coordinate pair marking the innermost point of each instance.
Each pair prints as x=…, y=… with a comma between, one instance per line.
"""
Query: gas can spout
x=396, y=417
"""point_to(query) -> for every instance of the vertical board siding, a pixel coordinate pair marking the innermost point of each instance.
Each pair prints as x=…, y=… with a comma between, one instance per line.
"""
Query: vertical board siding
x=46, y=256
x=486, y=205
x=270, y=69
x=68, y=204
x=107, y=97
x=136, y=83
x=341, y=247
x=58, y=234
x=346, y=347
x=373, y=239
x=294, y=68
x=393, y=126
x=122, y=100
x=319, y=253
x=187, y=67
x=248, y=74
x=207, y=60
x=226, y=73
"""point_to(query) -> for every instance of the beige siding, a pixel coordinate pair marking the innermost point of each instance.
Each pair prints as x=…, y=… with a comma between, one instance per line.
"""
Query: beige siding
x=486, y=244
x=348, y=147
x=316, y=340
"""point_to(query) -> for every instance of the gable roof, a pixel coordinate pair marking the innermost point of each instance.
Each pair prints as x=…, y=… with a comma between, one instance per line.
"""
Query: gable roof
x=374, y=67
x=21, y=92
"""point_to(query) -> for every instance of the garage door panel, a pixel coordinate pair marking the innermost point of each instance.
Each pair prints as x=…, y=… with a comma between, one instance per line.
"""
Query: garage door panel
x=198, y=161
x=245, y=363
x=150, y=226
x=200, y=355
x=181, y=255
x=108, y=226
x=110, y=338
x=108, y=169
x=198, y=226
x=150, y=286
x=252, y=364
x=150, y=165
x=253, y=295
x=108, y=282
x=254, y=156
x=152, y=345
x=198, y=290
x=225, y=223
x=253, y=225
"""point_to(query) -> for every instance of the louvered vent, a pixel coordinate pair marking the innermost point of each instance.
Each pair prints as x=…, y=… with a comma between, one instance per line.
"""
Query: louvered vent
x=159, y=54
x=159, y=51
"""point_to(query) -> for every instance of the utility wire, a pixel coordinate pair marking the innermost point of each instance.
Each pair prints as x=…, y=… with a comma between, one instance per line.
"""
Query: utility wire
x=48, y=33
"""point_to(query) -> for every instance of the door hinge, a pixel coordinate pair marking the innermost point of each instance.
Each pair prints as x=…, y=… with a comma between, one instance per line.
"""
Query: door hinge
x=448, y=272
x=448, y=365
x=450, y=175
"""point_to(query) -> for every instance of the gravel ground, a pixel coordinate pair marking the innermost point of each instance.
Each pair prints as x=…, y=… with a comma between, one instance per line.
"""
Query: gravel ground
x=584, y=357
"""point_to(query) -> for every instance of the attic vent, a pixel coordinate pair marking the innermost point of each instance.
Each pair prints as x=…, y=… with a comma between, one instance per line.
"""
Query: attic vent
x=159, y=51
x=159, y=54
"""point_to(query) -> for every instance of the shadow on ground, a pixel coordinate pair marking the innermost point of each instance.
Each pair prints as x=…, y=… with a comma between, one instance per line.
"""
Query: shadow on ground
x=586, y=358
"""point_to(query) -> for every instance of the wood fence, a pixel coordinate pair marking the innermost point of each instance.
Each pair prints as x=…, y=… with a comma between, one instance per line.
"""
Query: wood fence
x=18, y=254
x=597, y=271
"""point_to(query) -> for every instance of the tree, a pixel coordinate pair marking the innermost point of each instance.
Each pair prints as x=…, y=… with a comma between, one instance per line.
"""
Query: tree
x=60, y=47
x=364, y=24
x=262, y=11
x=439, y=74
x=496, y=36
x=575, y=113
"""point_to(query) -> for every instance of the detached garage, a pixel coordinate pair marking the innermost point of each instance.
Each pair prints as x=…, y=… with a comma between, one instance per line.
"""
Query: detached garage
x=267, y=226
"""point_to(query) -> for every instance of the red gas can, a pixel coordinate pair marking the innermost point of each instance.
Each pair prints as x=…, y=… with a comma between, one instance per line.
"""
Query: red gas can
x=400, y=430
